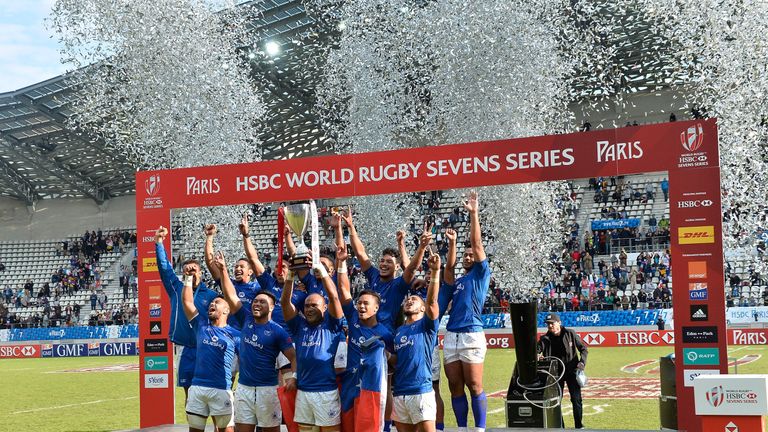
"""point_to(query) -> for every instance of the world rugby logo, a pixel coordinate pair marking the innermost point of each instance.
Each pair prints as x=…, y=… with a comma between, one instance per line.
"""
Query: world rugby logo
x=692, y=138
x=152, y=185
x=715, y=396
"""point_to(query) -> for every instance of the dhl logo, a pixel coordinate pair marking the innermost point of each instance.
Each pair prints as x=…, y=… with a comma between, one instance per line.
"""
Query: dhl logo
x=149, y=264
x=696, y=234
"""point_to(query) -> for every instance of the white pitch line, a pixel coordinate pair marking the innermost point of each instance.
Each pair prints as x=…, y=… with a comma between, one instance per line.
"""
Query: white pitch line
x=496, y=411
x=72, y=405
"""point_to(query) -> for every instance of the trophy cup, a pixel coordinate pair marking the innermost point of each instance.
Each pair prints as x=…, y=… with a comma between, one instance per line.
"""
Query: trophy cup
x=297, y=216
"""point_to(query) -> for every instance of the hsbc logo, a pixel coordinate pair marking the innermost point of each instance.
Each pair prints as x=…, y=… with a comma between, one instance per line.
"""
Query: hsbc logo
x=28, y=351
x=692, y=138
x=19, y=351
x=669, y=338
x=593, y=339
x=152, y=185
x=694, y=203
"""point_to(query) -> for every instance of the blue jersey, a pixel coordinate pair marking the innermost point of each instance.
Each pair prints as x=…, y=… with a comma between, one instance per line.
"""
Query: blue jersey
x=315, y=285
x=216, y=348
x=260, y=345
x=315, y=352
x=392, y=295
x=180, y=331
x=246, y=292
x=413, y=345
x=269, y=283
x=468, y=299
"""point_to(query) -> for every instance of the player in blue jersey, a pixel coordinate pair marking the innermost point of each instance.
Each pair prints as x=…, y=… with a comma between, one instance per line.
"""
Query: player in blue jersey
x=180, y=332
x=262, y=340
x=316, y=335
x=415, y=407
x=464, y=342
x=364, y=382
x=217, y=344
x=243, y=271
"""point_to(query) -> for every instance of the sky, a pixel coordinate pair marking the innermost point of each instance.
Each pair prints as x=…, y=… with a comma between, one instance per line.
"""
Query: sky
x=28, y=53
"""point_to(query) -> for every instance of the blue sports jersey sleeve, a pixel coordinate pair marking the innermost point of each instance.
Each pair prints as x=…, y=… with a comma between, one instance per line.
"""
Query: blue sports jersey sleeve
x=171, y=282
x=349, y=310
x=284, y=338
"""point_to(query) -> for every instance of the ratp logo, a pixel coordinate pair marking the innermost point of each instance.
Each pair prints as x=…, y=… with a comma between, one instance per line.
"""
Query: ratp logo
x=692, y=138
x=152, y=185
x=716, y=396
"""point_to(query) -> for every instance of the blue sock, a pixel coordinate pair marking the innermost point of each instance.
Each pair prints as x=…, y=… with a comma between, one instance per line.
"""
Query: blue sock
x=479, y=407
x=387, y=425
x=460, y=409
x=440, y=426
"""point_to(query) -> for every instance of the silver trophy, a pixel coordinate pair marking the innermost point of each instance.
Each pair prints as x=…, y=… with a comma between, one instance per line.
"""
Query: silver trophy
x=297, y=216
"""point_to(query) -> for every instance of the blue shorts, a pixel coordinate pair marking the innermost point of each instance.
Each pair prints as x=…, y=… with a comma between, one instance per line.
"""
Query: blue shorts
x=186, y=367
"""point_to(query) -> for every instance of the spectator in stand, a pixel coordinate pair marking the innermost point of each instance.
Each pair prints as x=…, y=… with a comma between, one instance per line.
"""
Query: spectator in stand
x=665, y=189
x=672, y=117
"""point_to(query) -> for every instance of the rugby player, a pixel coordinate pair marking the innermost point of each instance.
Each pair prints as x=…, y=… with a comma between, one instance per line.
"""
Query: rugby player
x=180, y=332
x=217, y=342
x=262, y=340
x=464, y=342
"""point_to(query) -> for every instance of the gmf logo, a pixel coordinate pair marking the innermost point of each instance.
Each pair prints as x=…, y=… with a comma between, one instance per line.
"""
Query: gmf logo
x=152, y=185
x=696, y=234
x=692, y=138
x=716, y=396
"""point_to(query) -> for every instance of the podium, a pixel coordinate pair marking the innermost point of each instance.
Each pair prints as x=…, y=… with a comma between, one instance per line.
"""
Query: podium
x=731, y=403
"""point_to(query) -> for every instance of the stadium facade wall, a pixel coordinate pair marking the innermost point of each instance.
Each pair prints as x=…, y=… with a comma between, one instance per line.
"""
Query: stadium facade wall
x=59, y=218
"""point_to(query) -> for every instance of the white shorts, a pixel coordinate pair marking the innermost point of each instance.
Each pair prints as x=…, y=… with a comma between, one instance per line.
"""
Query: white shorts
x=464, y=347
x=414, y=409
x=281, y=361
x=318, y=408
x=436, y=363
x=258, y=406
x=340, y=361
x=207, y=401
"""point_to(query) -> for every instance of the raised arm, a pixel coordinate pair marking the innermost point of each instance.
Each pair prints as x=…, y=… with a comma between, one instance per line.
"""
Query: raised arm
x=405, y=259
x=230, y=295
x=290, y=246
x=475, y=237
x=357, y=246
x=164, y=266
x=433, y=309
x=210, y=233
x=187, y=300
x=289, y=310
x=413, y=265
x=334, y=305
x=449, y=273
x=345, y=296
x=250, y=250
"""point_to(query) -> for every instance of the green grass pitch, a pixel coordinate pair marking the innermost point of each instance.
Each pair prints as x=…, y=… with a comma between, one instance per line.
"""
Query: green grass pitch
x=101, y=394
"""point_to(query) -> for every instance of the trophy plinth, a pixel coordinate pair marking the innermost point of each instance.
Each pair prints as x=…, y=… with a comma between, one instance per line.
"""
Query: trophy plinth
x=297, y=216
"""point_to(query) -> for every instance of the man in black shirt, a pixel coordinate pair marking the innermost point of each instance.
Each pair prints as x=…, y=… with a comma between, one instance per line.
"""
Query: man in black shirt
x=566, y=345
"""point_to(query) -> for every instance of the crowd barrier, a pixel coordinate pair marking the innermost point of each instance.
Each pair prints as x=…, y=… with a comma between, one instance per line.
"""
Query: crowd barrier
x=83, y=349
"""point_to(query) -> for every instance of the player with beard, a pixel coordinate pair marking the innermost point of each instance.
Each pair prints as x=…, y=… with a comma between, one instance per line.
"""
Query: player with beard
x=464, y=343
x=364, y=382
x=180, y=333
x=217, y=343
x=262, y=340
x=415, y=407
x=316, y=335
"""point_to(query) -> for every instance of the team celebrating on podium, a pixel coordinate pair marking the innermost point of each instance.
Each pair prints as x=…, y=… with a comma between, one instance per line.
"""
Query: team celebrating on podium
x=308, y=354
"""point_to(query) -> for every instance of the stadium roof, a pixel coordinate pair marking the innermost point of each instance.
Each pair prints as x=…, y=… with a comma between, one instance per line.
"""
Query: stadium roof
x=42, y=158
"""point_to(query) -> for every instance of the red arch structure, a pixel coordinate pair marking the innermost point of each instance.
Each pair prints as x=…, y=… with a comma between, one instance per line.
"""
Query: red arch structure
x=688, y=151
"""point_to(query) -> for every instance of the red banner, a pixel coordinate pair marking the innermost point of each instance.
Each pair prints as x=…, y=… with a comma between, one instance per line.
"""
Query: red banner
x=632, y=338
x=19, y=351
x=688, y=151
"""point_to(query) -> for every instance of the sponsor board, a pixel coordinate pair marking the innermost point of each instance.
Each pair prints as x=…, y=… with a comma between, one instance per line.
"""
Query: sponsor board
x=19, y=351
x=149, y=264
x=746, y=315
x=698, y=291
x=692, y=141
x=701, y=356
x=156, y=381
x=155, y=327
x=154, y=292
x=155, y=310
x=690, y=374
x=156, y=363
x=153, y=200
x=697, y=270
x=93, y=349
x=699, y=312
x=696, y=234
x=155, y=345
x=732, y=395
x=701, y=334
